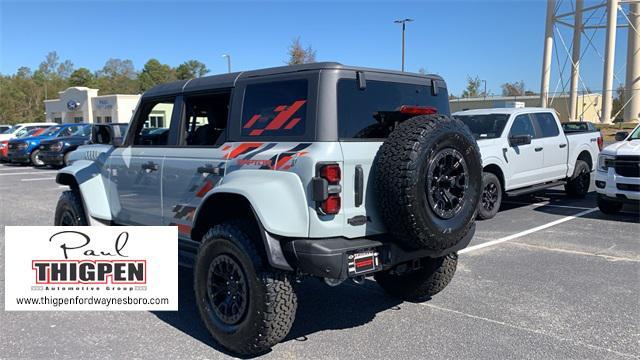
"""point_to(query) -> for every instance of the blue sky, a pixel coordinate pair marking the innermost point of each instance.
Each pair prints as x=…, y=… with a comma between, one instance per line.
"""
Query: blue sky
x=499, y=41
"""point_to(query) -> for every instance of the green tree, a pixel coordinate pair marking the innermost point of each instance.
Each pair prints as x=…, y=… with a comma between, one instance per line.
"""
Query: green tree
x=191, y=69
x=300, y=55
x=154, y=73
x=618, y=104
x=117, y=76
x=513, y=89
x=82, y=77
x=473, y=87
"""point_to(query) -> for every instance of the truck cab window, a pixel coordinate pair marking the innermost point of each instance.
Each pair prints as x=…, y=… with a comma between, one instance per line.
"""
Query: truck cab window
x=522, y=126
x=547, y=124
x=206, y=119
x=153, y=123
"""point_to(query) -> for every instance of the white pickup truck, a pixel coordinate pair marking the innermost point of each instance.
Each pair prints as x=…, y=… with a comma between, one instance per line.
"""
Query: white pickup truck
x=526, y=150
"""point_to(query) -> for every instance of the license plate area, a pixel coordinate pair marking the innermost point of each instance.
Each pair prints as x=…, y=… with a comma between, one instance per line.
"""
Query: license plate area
x=363, y=261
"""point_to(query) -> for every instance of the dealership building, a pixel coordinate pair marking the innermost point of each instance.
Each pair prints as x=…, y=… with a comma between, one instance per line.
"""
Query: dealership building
x=82, y=104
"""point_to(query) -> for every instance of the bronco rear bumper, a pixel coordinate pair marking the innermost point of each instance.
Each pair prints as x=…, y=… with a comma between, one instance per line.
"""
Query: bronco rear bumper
x=333, y=257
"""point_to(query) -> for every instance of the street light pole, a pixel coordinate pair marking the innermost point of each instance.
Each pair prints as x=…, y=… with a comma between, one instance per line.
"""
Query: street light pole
x=403, y=22
x=228, y=61
x=485, y=88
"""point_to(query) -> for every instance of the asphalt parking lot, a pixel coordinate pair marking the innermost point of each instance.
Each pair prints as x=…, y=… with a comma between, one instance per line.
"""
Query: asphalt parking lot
x=548, y=277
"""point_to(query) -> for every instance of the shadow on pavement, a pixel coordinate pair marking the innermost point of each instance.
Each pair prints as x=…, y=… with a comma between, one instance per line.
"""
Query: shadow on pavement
x=320, y=308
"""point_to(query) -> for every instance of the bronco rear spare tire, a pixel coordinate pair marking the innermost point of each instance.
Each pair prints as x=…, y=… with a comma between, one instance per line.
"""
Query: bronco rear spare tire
x=428, y=176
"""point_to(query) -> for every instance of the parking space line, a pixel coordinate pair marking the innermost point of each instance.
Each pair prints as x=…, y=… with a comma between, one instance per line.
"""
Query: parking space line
x=545, y=204
x=575, y=252
x=38, y=179
x=29, y=173
x=522, y=328
x=526, y=232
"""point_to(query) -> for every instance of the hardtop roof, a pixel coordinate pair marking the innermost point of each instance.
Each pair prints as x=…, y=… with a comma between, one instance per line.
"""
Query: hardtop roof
x=228, y=80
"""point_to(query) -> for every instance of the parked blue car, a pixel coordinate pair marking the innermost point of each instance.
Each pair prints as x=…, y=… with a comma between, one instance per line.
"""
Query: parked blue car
x=27, y=150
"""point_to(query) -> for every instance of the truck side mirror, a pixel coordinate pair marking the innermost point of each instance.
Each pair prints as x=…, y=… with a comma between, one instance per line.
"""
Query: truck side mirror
x=519, y=140
x=101, y=135
x=621, y=135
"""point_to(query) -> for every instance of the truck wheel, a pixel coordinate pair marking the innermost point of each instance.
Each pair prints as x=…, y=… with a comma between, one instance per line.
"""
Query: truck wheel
x=420, y=285
x=428, y=175
x=70, y=211
x=609, y=206
x=246, y=306
x=491, y=196
x=35, y=158
x=578, y=185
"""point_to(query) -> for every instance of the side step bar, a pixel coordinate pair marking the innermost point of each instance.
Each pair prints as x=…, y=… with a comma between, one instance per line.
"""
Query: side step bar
x=535, y=188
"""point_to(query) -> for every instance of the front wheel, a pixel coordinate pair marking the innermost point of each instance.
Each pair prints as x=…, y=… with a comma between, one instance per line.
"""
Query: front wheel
x=608, y=206
x=70, y=211
x=420, y=285
x=35, y=158
x=246, y=306
x=491, y=196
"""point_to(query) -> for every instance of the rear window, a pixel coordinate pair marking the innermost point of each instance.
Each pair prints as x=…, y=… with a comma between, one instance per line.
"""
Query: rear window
x=547, y=124
x=275, y=109
x=358, y=109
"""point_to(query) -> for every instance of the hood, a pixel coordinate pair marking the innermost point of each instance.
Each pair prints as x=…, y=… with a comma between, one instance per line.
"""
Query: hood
x=69, y=139
x=4, y=137
x=485, y=143
x=30, y=138
x=623, y=148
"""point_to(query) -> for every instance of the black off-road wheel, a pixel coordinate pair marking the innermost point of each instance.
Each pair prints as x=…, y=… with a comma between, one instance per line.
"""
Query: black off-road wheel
x=491, y=196
x=246, y=306
x=609, y=206
x=70, y=211
x=428, y=177
x=421, y=284
x=578, y=185
x=35, y=158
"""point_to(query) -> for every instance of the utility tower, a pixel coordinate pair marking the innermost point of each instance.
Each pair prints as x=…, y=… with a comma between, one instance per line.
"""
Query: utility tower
x=628, y=11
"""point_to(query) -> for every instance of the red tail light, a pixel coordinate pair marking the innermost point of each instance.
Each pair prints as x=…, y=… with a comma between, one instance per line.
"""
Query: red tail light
x=331, y=206
x=417, y=110
x=331, y=173
x=600, y=142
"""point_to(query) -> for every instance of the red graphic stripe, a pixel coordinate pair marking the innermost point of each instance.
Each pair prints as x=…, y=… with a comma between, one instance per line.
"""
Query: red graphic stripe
x=285, y=115
x=208, y=185
x=252, y=121
x=242, y=148
x=283, y=160
x=292, y=123
x=256, y=132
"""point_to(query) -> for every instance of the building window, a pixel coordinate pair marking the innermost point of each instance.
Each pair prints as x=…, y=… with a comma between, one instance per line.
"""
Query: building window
x=58, y=120
x=107, y=119
x=98, y=119
x=77, y=119
x=155, y=121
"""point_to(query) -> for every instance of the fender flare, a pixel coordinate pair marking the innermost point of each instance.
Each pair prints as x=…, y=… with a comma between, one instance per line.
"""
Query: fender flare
x=277, y=197
x=85, y=175
x=496, y=161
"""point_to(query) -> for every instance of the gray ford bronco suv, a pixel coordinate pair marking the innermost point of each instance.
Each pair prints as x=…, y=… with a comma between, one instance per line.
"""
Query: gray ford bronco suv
x=320, y=170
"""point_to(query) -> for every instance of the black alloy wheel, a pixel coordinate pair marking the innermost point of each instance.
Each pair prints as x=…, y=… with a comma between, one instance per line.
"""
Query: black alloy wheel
x=447, y=182
x=227, y=292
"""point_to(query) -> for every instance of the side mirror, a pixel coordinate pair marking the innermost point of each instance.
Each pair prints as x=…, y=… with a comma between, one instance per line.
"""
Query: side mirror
x=101, y=135
x=621, y=135
x=519, y=140
x=117, y=141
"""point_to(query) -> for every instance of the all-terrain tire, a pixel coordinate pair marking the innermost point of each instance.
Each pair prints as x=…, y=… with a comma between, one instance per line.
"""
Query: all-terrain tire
x=491, y=196
x=271, y=300
x=400, y=170
x=35, y=158
x=609, y=206
x=70, y=210
x=578, y=185
x=420, y=285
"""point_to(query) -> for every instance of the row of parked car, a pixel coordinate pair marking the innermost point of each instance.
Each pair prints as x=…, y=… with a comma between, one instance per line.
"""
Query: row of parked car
x=50, y=144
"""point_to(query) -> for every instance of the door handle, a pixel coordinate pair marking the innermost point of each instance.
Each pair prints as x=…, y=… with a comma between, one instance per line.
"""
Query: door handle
x=209, y=170
x=563, y=146
x=538, y=149
x=150, y=166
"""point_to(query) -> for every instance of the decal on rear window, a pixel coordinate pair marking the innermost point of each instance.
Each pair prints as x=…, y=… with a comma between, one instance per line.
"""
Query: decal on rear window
x=275, y=109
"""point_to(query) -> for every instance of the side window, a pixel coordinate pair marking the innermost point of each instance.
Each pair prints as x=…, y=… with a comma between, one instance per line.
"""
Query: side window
x=153, y=123
x=522, y=126
x=206, y=119
x=275, y=109
x=547, y=124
